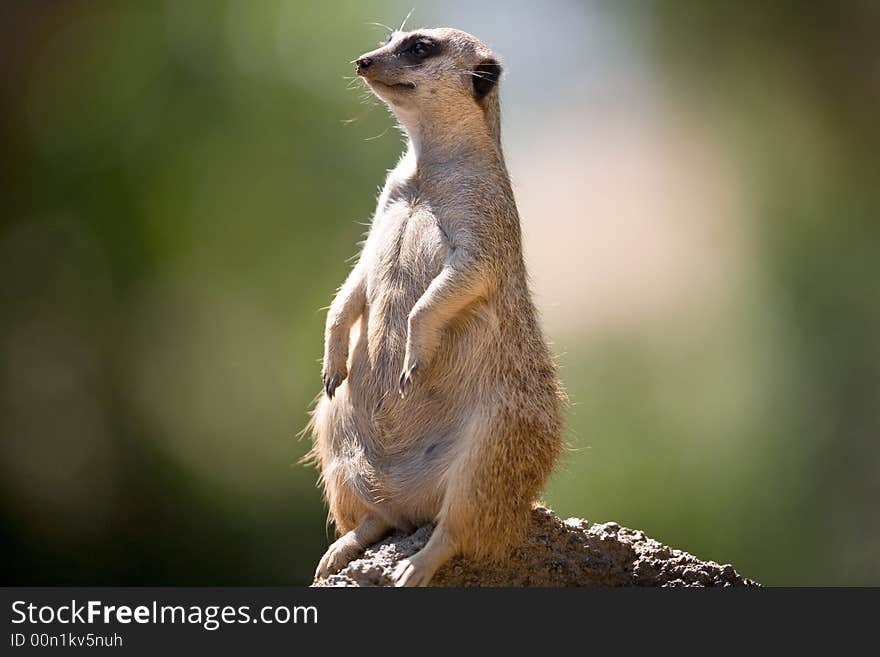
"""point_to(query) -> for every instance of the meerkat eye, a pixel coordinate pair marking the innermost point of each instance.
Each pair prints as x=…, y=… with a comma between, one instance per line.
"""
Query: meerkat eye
x=418, y=49
x=424, y=48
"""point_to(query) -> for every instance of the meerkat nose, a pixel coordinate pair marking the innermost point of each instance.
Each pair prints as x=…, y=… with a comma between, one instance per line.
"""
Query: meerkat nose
x=363, y=64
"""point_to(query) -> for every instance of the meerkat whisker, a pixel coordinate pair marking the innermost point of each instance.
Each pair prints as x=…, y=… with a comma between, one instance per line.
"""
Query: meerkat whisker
x=403, y=24
x=379, y=136
x=390, y=30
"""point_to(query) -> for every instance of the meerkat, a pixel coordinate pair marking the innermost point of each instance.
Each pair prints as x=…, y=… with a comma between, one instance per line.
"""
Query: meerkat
x=444, y=405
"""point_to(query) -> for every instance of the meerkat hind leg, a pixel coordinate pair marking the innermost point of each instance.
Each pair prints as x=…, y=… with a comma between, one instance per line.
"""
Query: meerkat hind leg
x=418, y=569
x=350, y=545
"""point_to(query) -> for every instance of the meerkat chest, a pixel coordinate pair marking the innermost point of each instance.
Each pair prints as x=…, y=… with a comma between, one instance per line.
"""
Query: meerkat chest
x=412, y=243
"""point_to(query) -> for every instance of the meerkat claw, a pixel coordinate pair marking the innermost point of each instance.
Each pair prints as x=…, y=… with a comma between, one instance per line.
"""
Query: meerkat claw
x=407, y=379
x=330, y=384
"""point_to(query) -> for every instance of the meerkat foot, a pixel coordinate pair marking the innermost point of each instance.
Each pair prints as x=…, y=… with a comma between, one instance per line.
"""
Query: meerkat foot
x=338, y=556
x=349, y=546
x=411, y=574
x=420, y=568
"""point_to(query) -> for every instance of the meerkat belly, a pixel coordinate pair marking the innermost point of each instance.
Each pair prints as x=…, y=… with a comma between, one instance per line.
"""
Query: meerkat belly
x=409, y=439
x=409, y=254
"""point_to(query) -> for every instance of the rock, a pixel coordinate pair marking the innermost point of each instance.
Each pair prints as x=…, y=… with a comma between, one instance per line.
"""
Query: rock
x=573, y=552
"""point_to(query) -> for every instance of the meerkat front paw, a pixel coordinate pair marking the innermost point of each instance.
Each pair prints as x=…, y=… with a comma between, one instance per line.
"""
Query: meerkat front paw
x=421, y=345
x=331, y=382
x=407, y=379
x=338, y=556
x=332, y=377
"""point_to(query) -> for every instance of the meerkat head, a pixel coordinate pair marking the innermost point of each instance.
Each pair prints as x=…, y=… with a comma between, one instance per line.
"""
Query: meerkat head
x=423, y=72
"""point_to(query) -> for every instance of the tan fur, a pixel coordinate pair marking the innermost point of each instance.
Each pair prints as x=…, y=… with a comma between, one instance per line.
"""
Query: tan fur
x=451, y=409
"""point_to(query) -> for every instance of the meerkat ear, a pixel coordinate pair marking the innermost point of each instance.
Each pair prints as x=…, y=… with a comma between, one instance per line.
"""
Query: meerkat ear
x=485, y=77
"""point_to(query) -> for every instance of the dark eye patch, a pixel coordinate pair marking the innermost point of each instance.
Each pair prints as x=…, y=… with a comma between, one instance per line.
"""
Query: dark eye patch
x=418, y=48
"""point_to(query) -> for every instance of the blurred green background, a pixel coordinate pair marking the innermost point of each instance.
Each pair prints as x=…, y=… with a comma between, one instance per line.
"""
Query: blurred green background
x=182, y=183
